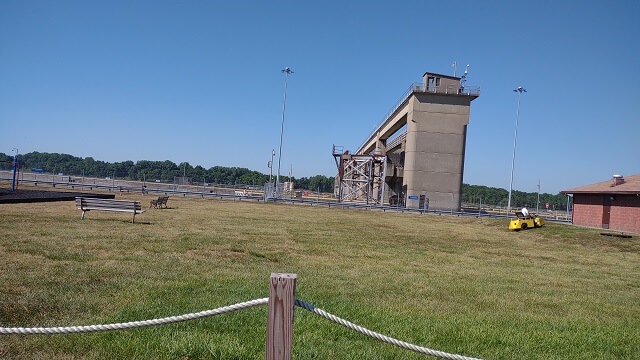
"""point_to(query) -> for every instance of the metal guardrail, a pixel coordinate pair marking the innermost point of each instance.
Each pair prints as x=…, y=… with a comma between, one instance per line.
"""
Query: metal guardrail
x=103, y=182
x=396, y=141
x=147, y=190
x=291, y=200
x=385, y=208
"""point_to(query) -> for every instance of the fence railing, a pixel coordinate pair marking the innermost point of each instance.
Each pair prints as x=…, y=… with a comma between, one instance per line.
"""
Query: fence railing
x=422, y=88
x=279, y=332
x=130, y=186
x=396, y=141
x=292, y=198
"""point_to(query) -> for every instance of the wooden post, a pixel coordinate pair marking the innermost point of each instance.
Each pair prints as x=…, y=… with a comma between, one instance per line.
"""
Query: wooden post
x=280, y=316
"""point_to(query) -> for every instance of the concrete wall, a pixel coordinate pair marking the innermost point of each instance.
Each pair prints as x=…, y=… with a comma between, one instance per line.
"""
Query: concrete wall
x=434, y=151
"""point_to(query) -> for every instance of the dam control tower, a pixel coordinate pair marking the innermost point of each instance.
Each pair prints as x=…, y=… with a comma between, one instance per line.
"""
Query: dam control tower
x=418, y=150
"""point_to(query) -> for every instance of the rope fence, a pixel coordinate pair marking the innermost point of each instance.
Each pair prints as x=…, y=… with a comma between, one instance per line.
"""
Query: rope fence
x=132, y=324
x=380, y=337
x=225, y=309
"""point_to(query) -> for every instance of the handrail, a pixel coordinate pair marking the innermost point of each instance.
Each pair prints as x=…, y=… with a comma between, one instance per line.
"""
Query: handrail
x=423, y=88
x=397, y=140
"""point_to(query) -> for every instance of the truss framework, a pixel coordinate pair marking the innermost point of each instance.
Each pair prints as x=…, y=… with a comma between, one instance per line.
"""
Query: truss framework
x=361, y=177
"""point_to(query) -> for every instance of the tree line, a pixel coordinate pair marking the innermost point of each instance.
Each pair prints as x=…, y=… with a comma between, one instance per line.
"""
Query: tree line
x=164, y=171
x=474, y=194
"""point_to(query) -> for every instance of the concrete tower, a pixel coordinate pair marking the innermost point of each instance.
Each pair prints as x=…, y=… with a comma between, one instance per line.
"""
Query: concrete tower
x=424, y=140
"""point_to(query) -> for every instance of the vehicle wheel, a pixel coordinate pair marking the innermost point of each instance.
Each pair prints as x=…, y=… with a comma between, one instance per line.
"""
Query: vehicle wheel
x=524, y=226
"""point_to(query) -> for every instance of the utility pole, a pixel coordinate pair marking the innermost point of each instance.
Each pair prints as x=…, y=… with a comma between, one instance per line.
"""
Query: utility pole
x=519, y=90
x=15, y=168
x=538, y=202
x=290, y=183
x=287, y=71
x=270, y=165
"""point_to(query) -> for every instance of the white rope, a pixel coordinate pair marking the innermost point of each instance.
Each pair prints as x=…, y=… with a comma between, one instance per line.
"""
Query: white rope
x=133, y=324
x=379, y=336
x=222, y=310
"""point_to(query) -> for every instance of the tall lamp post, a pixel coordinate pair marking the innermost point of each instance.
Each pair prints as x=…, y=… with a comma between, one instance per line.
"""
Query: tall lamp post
x=15, y=167
x=270, y=166
x=519, y=90
x=287, y=71
x=538, y=201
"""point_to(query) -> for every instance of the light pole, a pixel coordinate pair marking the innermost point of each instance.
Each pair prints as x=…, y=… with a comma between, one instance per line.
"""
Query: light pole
x=15, y=167
x=538, y=201
x=287, y=71
x=290, y=184
x=519, y=90
x=270, y=166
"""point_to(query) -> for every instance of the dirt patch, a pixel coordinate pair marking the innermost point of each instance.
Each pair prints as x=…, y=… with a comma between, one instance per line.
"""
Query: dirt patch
x=26, y=196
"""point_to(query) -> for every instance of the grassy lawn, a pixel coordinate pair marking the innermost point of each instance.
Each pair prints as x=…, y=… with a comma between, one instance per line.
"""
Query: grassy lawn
x=459, y=285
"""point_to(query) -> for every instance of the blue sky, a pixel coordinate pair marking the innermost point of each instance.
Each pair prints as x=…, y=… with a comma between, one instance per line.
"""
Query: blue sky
x=201, y=81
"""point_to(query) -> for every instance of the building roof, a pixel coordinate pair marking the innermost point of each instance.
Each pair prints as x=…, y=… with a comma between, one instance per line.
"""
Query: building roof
x=625, y=185
x=441, y=75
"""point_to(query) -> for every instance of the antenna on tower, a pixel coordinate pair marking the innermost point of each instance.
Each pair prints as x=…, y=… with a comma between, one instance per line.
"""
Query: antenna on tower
x=454, y=65
x=463, y=79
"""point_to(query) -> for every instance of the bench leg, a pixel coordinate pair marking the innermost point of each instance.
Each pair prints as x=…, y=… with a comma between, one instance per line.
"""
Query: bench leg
x=83, y=214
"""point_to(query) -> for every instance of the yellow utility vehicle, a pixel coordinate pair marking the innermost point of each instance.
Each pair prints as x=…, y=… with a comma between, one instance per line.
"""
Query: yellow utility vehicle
x=525, y=222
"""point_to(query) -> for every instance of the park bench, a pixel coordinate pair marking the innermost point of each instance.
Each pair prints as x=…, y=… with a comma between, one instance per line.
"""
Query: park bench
x=87, y=204
x=162, y=200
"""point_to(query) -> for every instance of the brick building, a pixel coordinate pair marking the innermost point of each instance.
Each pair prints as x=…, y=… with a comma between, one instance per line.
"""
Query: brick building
x=612, y=204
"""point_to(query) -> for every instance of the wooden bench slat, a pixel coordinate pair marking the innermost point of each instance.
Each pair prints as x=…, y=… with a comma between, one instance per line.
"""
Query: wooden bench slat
x=98, y=200
x=88, y=204
x=138, y=211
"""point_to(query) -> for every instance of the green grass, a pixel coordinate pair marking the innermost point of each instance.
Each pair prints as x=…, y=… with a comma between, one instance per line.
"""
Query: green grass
x=460, y=285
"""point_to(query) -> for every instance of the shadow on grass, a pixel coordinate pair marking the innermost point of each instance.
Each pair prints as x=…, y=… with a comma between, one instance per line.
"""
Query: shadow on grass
x=119, y=221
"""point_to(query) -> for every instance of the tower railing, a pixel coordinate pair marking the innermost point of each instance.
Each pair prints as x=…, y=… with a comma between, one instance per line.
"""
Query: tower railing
x=396, y=141
x=424, y=88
